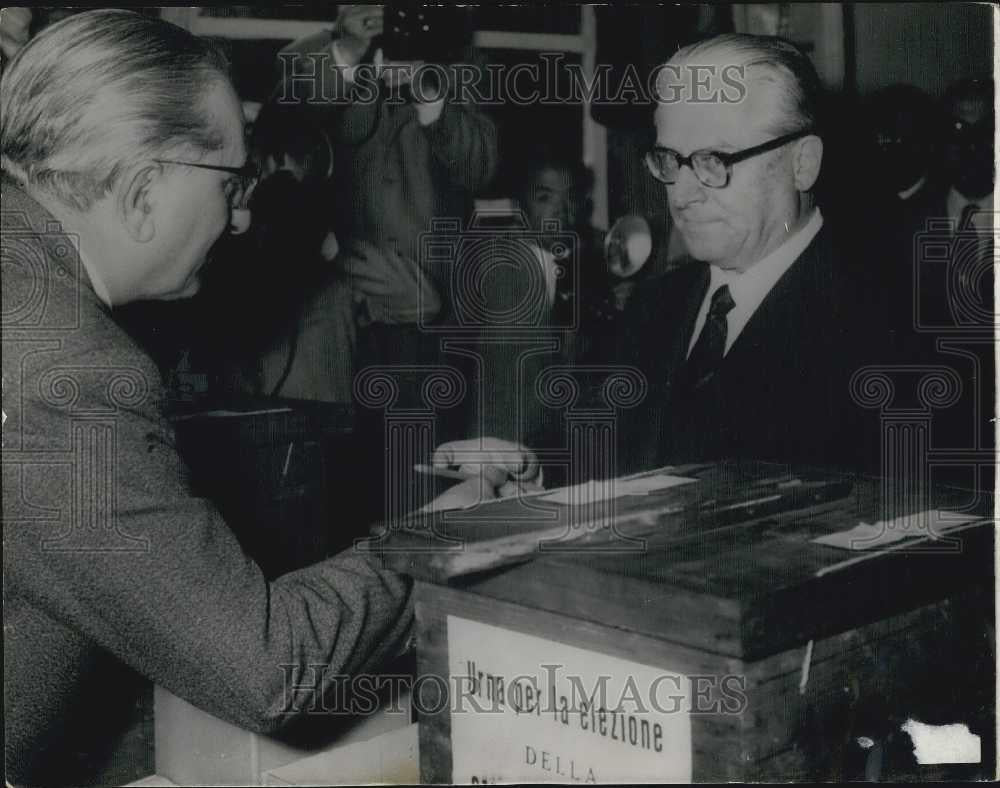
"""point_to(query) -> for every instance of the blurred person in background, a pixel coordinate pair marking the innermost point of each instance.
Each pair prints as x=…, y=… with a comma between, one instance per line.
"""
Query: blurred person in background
x=522, y=293
x=400, y=163
x=902, y=121
x=967, y=162
x=264, y=291
x=903, y=148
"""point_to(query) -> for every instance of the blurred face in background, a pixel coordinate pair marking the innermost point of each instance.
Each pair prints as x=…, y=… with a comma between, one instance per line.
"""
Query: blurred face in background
x=903, y=147
x=551, y=198
x=969, y=147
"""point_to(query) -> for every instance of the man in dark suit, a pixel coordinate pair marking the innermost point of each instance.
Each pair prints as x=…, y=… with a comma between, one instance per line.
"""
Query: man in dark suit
x=124, y=161
x=749, y=349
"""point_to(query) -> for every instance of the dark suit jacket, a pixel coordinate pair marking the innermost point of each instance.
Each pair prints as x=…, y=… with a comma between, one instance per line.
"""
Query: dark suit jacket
x=782, y=390
x=112, y=562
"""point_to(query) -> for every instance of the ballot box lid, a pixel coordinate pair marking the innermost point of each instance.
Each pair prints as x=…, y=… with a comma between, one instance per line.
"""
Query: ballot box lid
x=726, y=563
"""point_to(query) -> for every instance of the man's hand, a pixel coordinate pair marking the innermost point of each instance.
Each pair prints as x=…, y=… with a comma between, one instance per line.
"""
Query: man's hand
x=395, y=73
x=357, y=25
x=499, y=469
x=509, y=468
x=397, y=292
x=463, y=495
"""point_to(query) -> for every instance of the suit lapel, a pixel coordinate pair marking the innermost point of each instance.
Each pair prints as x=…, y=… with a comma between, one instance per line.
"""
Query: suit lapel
x=786, y=296
x=687, y=315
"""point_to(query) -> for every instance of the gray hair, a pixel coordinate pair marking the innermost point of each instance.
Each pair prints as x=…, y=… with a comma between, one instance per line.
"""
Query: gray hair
x=98, y=92
x=781, y=62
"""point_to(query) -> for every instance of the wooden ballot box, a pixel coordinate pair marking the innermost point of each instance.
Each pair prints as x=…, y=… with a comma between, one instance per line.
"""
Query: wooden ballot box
x=686, y=625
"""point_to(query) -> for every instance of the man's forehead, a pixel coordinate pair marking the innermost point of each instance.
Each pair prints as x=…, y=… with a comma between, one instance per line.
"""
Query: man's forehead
x=717, y=124
x=718, y=93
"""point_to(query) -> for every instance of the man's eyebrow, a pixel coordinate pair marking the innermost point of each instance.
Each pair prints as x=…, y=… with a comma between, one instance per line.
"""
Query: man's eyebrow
x=719, y=146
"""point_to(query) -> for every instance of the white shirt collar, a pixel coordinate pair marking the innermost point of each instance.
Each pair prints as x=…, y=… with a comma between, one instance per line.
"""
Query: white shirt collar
x=749, y=288
x=550, y=271
x=955, y=203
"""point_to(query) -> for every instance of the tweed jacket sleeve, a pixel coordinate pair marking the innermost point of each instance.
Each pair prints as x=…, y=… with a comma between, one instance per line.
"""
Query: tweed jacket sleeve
x=103, y=534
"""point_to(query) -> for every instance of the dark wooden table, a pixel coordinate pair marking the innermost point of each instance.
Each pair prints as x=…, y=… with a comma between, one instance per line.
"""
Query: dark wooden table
x=795, y=660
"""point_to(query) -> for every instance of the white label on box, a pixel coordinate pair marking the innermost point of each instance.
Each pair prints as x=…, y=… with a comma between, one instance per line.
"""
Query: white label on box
x=527, y=709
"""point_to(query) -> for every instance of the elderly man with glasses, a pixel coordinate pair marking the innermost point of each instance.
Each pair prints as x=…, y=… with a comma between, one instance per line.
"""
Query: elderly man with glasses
x=748, y=350
x=124, y=160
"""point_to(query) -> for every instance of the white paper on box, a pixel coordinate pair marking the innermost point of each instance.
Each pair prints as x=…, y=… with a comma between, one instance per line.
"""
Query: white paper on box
x=921, y=525
x=527, y=709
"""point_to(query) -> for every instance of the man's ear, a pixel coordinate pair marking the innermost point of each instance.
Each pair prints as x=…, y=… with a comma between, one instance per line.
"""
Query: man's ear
x=807, y=160
x=136, y=202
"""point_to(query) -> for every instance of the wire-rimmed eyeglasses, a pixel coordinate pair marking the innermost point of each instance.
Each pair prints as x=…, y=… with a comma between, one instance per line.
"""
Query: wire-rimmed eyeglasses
x=711, y=167
x=238, y=189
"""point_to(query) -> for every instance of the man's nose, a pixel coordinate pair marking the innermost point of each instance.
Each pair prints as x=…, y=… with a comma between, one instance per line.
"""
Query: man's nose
x=239, y=221
x=687, y=190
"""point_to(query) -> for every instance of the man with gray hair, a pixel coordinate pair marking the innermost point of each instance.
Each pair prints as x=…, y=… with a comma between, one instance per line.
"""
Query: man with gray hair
x=748, y=350
x=124, y=160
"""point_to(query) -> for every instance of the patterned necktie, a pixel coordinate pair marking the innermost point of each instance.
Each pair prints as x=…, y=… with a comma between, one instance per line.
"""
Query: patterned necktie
x=706, y=355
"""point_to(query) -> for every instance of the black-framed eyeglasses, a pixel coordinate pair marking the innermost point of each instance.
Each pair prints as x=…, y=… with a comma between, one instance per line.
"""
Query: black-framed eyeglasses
x=239, y=189
x=711, y=167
